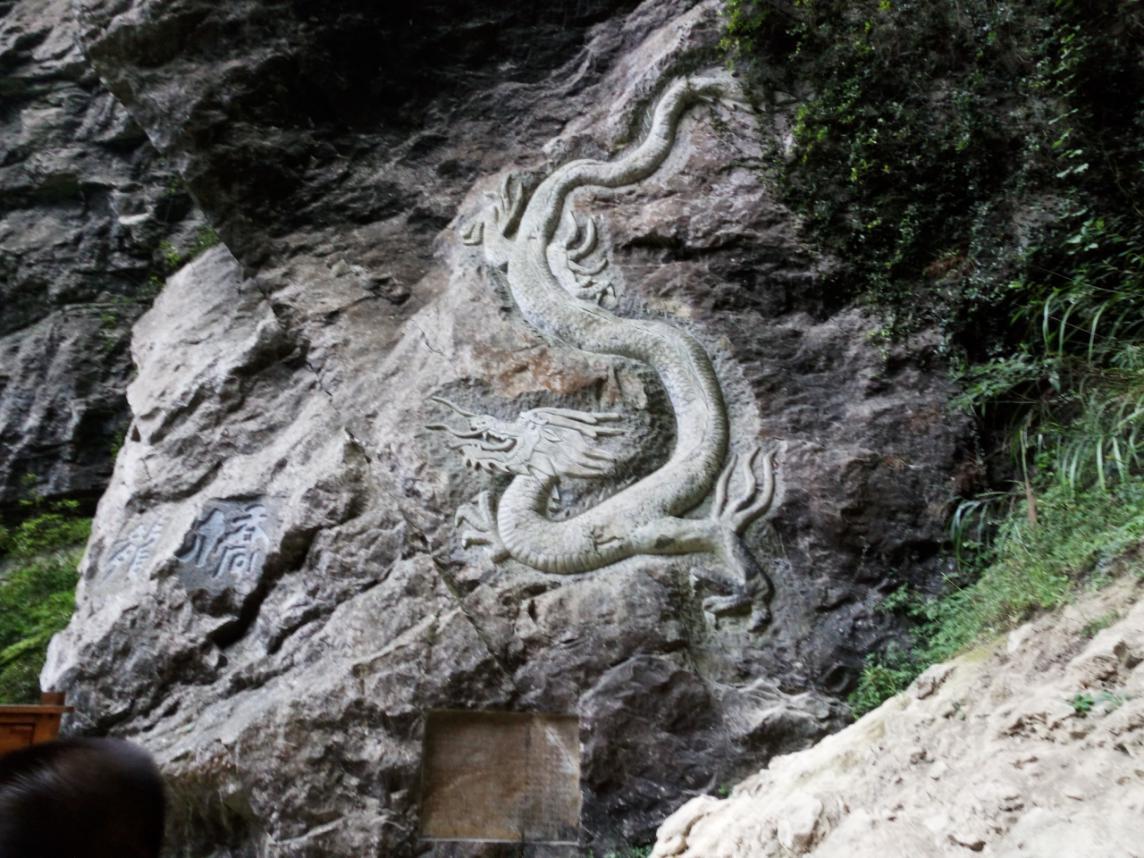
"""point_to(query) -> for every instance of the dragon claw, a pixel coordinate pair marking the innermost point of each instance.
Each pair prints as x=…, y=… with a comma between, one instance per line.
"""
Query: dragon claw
x=587, y=270
x=479, y=515
x=722, y=606
x=586, y=235
x=760, y=618
x=593, y=291
x=509, y=203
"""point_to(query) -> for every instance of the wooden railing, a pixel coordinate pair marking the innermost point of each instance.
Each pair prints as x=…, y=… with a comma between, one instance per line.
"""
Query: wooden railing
x=21, y=726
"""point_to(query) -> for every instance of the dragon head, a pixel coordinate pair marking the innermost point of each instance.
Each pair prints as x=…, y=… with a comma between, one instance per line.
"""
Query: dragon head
x=542, y=442
x=486, y=443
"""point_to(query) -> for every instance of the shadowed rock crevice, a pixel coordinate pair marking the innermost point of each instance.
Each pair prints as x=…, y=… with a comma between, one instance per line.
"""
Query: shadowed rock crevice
x=298, y=102
x=292, y=554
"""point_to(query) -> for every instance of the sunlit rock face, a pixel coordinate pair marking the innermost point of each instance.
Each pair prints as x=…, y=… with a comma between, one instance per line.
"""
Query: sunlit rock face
x=277, y=593
x=84, y=204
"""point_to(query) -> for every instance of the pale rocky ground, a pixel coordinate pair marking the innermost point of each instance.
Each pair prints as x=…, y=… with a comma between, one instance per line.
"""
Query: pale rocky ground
x=985, y=754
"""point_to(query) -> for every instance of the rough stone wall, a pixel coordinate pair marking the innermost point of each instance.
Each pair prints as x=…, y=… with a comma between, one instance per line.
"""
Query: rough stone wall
x=275, y=593
x=84, y=204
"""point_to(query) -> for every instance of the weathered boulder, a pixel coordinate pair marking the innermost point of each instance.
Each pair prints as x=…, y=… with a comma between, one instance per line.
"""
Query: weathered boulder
x=276, y=591
x=1029, y=746
x=85, y=203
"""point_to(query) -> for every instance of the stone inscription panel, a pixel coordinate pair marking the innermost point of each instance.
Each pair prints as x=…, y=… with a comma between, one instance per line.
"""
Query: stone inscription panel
x=501, y=776
x=131, y=552
x=228, y=543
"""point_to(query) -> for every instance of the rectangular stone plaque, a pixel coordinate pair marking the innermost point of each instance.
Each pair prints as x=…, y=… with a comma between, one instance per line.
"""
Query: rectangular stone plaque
x=501, y=776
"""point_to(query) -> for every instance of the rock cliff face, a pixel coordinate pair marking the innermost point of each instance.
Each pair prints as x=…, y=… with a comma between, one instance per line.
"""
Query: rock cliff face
x=276, y=592
x=1030, y=746
x=85, y=203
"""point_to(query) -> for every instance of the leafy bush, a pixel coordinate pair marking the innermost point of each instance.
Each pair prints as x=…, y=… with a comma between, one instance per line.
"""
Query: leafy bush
x=967, y=159
x=38, y=560
x=979, y=167
x=885, y=675
x=1028, y=567
x=173, y=259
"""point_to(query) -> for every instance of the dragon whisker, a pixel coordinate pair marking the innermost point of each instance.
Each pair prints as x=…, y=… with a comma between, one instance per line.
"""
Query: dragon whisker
x=456, y=433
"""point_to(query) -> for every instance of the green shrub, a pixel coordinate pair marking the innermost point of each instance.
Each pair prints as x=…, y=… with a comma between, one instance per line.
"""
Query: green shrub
x=1082, y=704
x=1028, y=567
x=884, y=675
x=38, y=560
x=964, y=159
x=172, y=259
x=978, y=167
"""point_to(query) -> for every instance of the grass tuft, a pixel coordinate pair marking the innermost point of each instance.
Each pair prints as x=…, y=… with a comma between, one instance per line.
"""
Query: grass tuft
x=38, y=560
x=1029, y=567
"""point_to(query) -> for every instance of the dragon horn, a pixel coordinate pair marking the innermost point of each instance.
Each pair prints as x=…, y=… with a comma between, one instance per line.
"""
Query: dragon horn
x=456, y=408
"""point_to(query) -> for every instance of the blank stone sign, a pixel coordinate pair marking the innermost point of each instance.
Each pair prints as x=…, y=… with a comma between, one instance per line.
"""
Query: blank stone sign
x=502, y=776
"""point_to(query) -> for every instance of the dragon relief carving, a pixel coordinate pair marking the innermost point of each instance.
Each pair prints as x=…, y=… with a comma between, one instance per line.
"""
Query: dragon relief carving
x=555, y=275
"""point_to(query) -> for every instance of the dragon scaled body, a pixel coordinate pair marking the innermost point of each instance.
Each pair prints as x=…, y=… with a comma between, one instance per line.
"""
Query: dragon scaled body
x=546, y=445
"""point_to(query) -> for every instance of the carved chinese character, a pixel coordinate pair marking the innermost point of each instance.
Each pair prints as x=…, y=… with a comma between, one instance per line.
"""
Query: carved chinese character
x=230, y=540
x=131, y=553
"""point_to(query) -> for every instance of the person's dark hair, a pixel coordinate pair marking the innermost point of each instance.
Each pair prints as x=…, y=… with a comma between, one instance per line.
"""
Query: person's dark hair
x=94, y=798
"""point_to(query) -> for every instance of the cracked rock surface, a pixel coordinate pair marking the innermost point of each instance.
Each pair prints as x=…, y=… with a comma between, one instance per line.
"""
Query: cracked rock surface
x=85, y=202
x=275, y=594
x=1031, y=746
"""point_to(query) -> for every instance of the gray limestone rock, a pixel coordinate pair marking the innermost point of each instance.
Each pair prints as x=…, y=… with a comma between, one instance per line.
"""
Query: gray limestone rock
x=85, y=203
x=275, y=593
